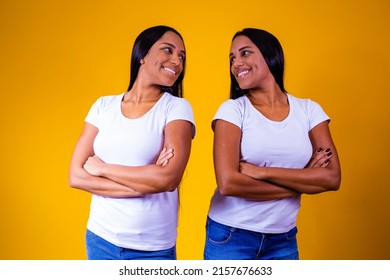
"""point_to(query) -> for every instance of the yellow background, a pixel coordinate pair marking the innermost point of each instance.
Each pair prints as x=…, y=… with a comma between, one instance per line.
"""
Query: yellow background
x=57, y=57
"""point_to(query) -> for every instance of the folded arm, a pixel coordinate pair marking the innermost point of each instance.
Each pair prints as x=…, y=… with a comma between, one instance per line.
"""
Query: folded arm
x=320, y=175
x=230, y=181
x=151, y=178
x=79, y=178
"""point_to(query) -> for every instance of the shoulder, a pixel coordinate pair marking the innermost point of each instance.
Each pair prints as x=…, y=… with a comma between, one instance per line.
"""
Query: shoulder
x=169, y=98
x=108, y=100
x=104, y=103
x=311, y=110
x=234, y=104
x=102, y=106
x=177, y=108
x=232, y=110
x=172, y=102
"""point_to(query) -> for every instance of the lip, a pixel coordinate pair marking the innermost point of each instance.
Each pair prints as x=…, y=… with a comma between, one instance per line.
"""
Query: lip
x=242, y=73
x=170, y=70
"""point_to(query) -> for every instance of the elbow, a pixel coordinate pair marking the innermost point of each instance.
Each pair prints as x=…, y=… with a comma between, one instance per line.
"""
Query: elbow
x=229, y=183
x=71, y=180
x=329, y=181
x=332, y=184
x=74, y=181
x=335, y=180
x=226, y=187
x=335, y=183
x=174, y=184
x=168, y=184
x=225, y=190
x=171, y=188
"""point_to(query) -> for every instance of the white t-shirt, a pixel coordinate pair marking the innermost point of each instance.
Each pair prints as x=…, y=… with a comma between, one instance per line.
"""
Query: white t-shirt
x=148, y=223
x=267, y=143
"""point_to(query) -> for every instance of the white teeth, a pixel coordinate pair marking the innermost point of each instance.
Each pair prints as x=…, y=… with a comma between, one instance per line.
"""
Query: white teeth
x=240, y=74
x=169, y=70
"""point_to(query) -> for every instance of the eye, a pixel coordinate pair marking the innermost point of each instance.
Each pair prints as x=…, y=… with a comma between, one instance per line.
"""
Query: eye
x=182, y=57
x=167, y=50
x=245, y=53
x=232, y=59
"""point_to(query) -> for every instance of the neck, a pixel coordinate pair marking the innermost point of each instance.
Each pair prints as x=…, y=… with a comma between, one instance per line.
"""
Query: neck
x=140, y=93
x=271, y=97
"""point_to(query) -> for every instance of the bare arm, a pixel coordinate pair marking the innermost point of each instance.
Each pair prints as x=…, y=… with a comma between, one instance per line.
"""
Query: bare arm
x=151, y=178
x=318, y=176
x=226, y=164
x=79, y=178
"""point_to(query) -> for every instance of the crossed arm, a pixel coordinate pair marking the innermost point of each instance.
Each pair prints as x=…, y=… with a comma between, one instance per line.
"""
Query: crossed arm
x=235, y=178
x=87, y=172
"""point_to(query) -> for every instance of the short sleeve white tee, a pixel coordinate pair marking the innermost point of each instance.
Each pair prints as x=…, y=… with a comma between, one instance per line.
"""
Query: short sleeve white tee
x=148, y=223
x=267, y=143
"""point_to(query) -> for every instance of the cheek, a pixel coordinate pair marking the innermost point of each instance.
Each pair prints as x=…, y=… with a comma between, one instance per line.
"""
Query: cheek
x=232, y=72
x=181, y=67
x=156, y=63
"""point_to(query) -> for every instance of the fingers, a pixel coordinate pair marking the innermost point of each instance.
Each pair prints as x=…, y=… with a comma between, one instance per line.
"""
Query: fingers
x=326, y=163
x=326, y=159
x=321, y=158
x=164, y=157
x=315, y=158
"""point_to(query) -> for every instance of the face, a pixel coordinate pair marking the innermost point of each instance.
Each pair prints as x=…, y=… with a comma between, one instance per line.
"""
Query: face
x=164, y=62
x=247, y=64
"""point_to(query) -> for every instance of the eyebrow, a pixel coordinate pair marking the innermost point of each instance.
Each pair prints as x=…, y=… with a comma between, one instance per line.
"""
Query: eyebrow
x=240, y=49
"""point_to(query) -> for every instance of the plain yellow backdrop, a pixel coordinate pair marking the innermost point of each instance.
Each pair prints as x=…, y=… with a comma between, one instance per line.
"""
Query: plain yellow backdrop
x=57, y=57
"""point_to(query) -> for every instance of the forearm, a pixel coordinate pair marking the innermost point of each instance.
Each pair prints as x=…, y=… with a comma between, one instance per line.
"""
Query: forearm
x=307, y=180
x=154, y=178
x=227, y=143
x=243, y=186
x=145, y=179
x=80, y=179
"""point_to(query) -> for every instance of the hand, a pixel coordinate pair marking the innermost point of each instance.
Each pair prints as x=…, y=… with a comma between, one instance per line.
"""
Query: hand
x=321, y=158
x=164, y=157
x=251, y=170
x=93, y=165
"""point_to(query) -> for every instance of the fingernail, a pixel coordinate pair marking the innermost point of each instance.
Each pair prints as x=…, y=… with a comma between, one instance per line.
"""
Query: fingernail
x=319, y=149
x=326, y=161
x=329, y=154
x=327, y=150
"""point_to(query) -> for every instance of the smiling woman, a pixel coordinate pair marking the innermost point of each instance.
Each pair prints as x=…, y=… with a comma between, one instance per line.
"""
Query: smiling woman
x=264, y=140
x=163, y=64
x=121, y=156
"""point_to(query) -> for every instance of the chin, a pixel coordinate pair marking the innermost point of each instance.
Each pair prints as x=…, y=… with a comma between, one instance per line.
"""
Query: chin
x=243, y=87
x=168, y=84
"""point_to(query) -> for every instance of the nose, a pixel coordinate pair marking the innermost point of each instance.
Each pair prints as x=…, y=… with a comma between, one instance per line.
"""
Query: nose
x=175, y=59
x=236, y=63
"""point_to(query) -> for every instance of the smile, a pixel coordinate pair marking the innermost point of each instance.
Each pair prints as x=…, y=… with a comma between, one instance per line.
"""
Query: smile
x=173, y=72
x=242, y=73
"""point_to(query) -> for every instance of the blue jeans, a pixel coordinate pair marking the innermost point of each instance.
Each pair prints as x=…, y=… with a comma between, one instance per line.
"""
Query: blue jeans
x=229, y=243
x=100, y=249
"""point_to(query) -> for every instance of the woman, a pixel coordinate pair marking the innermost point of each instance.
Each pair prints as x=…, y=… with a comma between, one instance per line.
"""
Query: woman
x=135, y=201
x=264, y=140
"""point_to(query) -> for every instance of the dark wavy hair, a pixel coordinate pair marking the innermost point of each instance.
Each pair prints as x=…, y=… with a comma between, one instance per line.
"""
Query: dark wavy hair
x=272, y=52
x=141, y=47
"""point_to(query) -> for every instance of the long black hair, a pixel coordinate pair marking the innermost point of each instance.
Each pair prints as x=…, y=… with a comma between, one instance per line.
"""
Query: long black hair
x=272, y=52
x=141, y=47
